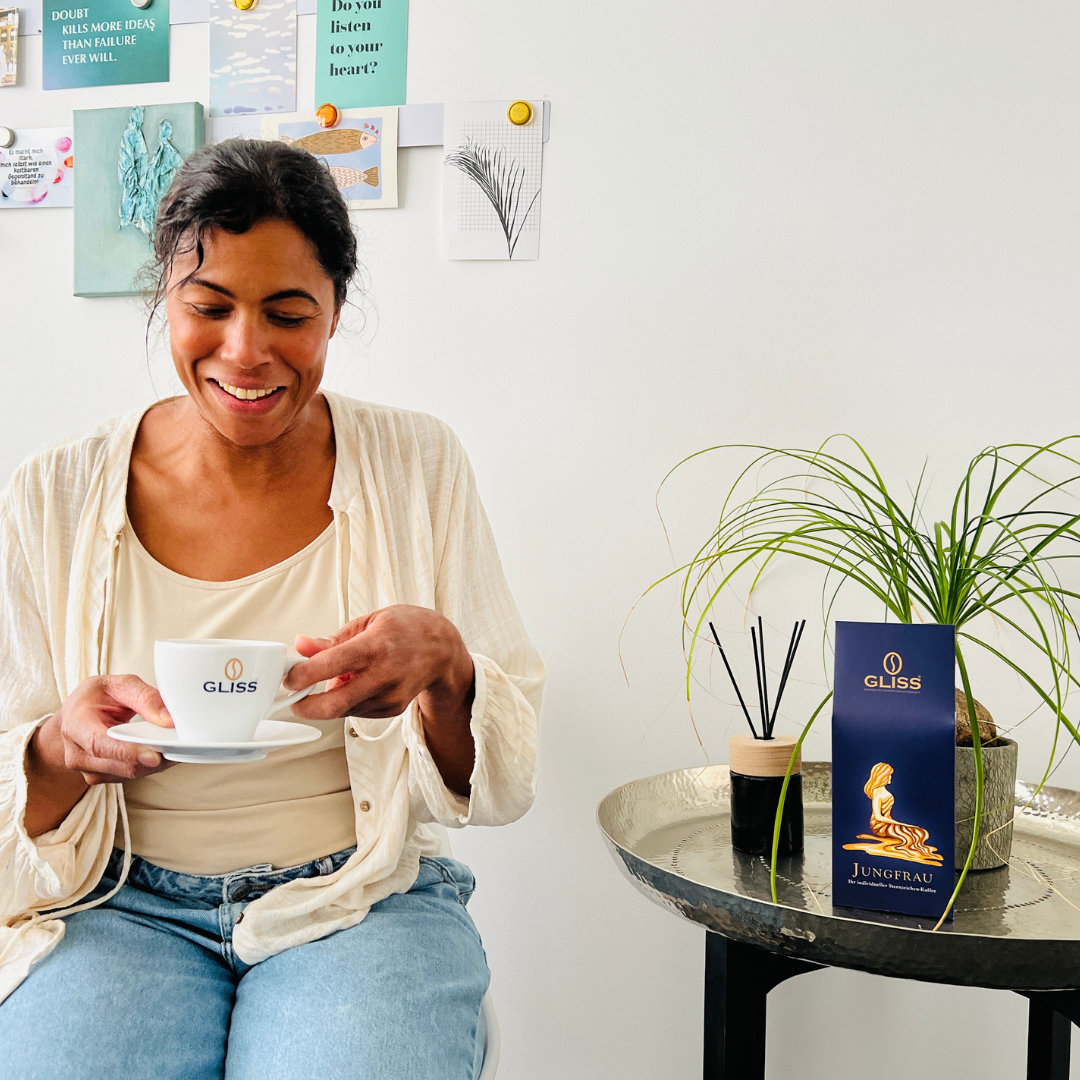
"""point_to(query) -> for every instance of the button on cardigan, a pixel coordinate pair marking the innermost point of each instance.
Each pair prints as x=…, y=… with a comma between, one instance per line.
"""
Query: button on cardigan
x=409, y=528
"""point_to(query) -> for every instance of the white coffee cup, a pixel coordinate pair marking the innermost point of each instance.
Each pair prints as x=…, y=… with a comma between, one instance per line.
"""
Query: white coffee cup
x=221, y=689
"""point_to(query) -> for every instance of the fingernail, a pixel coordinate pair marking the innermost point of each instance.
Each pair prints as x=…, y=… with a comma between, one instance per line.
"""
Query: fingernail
x=166, y=715
x=149, y=757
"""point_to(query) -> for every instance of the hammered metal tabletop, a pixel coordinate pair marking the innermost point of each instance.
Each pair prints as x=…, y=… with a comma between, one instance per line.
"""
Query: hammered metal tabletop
x=1016, y=928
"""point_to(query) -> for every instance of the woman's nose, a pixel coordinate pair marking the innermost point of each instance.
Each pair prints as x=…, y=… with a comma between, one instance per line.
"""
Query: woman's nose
x=247, y=340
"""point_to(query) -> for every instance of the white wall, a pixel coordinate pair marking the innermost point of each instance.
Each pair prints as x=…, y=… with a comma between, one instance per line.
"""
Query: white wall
x=762, y=222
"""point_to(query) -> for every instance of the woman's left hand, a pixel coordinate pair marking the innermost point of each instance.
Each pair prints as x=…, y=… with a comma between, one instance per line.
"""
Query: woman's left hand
x=375, y=666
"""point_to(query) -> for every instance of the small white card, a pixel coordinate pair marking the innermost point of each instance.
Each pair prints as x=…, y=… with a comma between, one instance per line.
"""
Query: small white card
x=38, y=170
x=492, y=171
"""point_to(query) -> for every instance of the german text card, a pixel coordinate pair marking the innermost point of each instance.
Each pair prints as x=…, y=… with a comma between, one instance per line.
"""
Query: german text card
x=360, y=151
x=894, y=764
x=103, y=43
x=252, y=58
x=491, y=179
x=9, y=46
x=361, y=48
x=37, y=169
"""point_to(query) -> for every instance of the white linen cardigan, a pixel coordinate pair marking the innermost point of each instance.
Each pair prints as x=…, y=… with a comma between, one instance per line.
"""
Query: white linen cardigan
x=410, y=529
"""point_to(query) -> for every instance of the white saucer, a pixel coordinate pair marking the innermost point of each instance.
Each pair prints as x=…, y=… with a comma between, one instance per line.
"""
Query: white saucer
x=269, y=735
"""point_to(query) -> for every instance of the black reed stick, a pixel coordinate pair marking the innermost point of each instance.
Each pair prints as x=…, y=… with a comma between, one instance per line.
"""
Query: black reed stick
x=764, y=678
x=757, y=637
x=731, y=676
x=760, y=697
x=793, y=648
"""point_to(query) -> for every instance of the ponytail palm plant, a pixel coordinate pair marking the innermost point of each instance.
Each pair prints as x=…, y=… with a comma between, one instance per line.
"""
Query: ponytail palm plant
x=996, y=562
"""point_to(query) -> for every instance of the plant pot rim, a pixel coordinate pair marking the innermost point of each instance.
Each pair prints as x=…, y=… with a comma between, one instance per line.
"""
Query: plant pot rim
x=1005, y=744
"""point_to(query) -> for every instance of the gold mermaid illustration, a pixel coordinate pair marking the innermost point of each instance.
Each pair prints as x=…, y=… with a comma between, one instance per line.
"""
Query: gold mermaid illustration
x=892, y=839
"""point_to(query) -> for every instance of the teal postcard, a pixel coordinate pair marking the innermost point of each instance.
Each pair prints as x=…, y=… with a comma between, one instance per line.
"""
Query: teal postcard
x=361, y=48
x=103, y=43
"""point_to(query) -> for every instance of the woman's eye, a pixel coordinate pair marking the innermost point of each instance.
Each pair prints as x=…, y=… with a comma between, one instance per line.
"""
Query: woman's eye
x=209, y=312
x=287, y=320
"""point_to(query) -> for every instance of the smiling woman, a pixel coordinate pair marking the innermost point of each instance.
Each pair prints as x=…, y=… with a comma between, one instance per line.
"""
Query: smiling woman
x=302, y=886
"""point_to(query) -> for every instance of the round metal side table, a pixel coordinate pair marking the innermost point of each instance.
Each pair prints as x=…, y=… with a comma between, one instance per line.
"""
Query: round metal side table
x=1016, y=928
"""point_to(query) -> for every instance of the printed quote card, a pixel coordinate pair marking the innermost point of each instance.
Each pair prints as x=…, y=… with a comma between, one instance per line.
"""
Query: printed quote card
x=38, y=170
x=361, y=50
x=103, y=43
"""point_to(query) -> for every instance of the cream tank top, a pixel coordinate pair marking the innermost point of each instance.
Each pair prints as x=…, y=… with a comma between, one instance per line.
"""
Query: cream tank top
x=293, y=806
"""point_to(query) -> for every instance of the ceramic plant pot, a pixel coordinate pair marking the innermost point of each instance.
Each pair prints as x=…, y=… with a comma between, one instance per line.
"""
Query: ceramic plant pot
x=995, y=834
x=757, y=775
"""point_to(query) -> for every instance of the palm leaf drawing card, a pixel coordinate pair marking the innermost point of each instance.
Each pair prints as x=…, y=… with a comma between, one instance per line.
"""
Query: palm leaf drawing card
x=491, y=181
x=360, y=151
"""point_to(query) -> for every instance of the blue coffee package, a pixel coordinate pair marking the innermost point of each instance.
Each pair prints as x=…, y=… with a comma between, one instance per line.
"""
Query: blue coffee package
x=894, y=767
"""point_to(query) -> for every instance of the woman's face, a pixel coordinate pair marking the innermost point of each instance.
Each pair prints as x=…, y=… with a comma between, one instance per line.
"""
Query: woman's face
x=249, y=329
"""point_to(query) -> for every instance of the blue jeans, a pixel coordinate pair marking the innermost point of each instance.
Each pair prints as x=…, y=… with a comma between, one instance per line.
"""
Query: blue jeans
x=148, y=987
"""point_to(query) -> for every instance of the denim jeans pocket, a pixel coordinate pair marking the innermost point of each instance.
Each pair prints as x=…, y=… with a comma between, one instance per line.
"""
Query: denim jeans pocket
x=454, y=873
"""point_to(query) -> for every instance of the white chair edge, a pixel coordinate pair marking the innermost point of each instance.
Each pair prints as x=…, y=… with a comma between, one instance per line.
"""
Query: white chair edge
x=492, y=1039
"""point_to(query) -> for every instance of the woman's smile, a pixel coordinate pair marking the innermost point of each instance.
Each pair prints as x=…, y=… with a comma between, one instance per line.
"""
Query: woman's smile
x=247, y=399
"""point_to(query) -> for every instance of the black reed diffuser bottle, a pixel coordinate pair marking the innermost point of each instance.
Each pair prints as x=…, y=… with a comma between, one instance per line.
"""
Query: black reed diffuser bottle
x=758, y=763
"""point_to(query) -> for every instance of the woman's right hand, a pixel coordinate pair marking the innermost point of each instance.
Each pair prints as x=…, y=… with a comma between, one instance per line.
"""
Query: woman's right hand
x=72, y=749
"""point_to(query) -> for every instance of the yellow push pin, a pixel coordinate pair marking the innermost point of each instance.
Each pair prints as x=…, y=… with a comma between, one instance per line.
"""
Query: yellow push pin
x=326, y=116
x=244, y=5
x=520, y=112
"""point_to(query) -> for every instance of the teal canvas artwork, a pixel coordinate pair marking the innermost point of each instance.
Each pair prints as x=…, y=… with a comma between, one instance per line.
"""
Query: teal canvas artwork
x=126, y=165
x=103, y=43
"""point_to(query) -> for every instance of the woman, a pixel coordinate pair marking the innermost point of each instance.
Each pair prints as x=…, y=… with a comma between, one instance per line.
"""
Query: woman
x=895, y=839
x=288, y=917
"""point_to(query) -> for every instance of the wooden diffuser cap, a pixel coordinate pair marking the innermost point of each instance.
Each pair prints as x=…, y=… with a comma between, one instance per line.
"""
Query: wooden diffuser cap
x=762, y=757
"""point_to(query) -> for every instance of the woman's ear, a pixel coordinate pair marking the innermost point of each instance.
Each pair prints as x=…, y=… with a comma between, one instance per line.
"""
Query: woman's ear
x=334, y=322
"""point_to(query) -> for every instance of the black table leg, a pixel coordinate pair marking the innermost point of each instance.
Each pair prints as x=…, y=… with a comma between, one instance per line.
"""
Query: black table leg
x=738, y=979
x=1051, y=1014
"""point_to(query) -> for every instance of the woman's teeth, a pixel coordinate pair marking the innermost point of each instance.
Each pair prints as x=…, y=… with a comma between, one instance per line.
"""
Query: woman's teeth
x=245, y=395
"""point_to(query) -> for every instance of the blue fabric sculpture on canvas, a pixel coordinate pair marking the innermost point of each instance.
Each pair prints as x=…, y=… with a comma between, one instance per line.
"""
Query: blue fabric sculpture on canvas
x=144, y=179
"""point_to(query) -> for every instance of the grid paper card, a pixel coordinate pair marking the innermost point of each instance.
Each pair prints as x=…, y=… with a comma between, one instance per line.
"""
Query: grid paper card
x=492, y=175
x=360, y=151
x=252, y=58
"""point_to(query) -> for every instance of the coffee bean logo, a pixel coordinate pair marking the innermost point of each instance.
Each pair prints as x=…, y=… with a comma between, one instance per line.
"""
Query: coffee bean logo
x=233, y=670
x=892, y=663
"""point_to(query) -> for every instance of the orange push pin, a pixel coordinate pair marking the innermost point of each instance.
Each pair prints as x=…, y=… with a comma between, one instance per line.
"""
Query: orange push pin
x=520, y=112
x=327, y=115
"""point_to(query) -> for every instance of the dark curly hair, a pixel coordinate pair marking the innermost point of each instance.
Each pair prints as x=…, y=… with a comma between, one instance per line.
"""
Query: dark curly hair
x=236, y=184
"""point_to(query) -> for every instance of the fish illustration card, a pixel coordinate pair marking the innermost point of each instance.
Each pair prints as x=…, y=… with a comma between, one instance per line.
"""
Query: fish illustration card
x=252, y=58
x=360, y=151
x=491, y=179
x=894, y=765
x=37, y=169
x=9, y=46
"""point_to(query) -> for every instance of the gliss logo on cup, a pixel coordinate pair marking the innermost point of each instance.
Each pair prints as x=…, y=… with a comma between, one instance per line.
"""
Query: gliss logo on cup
x=893, y=663
x=233, y=670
